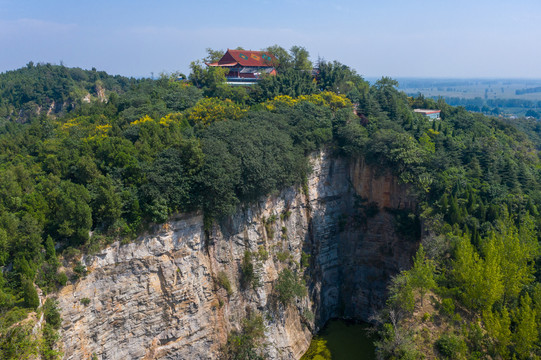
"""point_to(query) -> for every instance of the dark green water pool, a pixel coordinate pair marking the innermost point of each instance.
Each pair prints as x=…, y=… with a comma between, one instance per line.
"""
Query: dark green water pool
x=342, y=340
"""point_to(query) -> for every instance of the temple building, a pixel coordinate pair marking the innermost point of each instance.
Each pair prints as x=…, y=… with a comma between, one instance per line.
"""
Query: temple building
x=430, y=114
x=245, y=66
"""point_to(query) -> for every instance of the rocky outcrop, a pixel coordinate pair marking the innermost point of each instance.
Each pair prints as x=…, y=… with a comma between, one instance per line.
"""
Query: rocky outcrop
x=160, y=298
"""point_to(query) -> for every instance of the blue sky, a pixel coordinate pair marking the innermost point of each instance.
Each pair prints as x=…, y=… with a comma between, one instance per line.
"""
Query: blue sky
x=475, y=38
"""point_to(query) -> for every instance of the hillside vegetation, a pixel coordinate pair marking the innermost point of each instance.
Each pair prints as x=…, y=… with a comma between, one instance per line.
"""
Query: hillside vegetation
x=103, y=170
x=35, y=89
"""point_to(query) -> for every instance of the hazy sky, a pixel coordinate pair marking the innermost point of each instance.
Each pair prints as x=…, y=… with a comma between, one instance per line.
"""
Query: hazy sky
x=437, y=38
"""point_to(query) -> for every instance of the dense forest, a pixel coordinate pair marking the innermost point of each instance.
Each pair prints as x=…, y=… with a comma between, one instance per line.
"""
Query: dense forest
x=100, y=170
x=44, y=88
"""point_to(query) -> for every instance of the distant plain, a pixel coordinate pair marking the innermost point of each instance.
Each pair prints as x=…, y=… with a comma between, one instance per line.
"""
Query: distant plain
x=502, y=97
x=472, y=88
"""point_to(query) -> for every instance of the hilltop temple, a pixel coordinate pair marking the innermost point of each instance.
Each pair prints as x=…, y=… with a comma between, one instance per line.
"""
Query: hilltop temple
x=246, y=66
x=429, y=113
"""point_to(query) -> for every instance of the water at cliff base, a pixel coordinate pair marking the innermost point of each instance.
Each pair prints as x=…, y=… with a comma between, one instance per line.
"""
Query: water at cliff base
x=341, y=340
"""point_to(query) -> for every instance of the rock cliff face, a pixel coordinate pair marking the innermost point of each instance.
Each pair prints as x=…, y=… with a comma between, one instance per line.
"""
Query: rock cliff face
x=159, y=297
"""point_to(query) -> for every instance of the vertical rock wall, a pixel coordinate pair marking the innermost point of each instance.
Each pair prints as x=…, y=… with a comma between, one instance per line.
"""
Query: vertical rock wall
x=158, y=297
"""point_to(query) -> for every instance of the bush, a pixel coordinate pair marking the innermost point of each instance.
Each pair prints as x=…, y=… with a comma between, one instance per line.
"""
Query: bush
x=268, y=229
x=52, y=315
x=79, y=270
x=224, y=282
x=71, y=254
x=305, y=259
x=283, y=256
x=285, y=215
x=49, y=339
x=18, y=342
x=30, y=295
x=249, y=276
x=85, y=301
x=288, y=286
x=447, y=306
x=262, y=254
x=62, y=278
x=46, y=278
x=308, y=315
x=247, y=343
x=12, y=316
x=451, y=346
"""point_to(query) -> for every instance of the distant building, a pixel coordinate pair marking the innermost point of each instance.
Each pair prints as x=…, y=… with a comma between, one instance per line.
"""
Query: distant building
x=246, y=66
x=431, y=114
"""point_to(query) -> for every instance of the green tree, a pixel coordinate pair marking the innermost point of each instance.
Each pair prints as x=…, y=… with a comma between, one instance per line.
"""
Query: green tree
x=526, y=331
x=180, y=96
x=208, y=78
x=213, y=55
x=4, y=247
x=454, y=215
x=283, y=59
x=18, y=343
x=28, y=238
x=288, y=82
x=217, y=180
x=172, y=175
x=422, y=273
x=105, y=202
x=288, y=286
x=23, y=268
x=352, y=137
x=339, y=78
x=52, y=315
x=399, y=150
x=388, y=97
x=498, y=326
x=30, y=295
x=401, y=295
x=480, y=280
x=7, y=299
x=301, y=59
x=515, y=251
x=71, y=216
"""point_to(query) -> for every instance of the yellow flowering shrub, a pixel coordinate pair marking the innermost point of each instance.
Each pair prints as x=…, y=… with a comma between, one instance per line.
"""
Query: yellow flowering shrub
x=208, y=110
x=99, y=132
x=326, y=98
x=86, y=127
x=69, y=124
x=165, y=121
x=316, y=99
x=142, y=120
x=280, y=99
x=336, y=101
x=170, y=118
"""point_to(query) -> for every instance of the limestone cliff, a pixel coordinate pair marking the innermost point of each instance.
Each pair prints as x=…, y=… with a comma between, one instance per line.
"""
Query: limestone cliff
x=158, y=298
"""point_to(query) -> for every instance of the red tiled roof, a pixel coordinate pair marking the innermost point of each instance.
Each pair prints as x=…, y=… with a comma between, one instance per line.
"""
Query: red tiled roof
x=427, y=111
x=245, y=58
